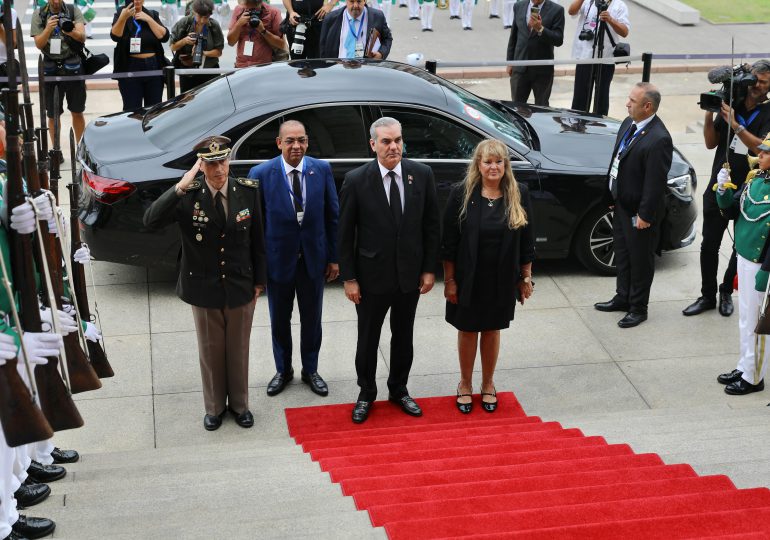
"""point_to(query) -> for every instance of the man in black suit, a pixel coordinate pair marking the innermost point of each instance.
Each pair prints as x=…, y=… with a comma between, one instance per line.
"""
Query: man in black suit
x=347, y=33
x=221, y=272
x=538, y=27
x=637, y=182
x=388, y=251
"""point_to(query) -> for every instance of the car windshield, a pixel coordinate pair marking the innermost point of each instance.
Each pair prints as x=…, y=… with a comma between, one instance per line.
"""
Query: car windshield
x=479, y=111
x=189, y=114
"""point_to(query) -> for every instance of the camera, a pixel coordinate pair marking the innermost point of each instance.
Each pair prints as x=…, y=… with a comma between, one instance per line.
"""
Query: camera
x=602, y=5
x=254, y=17
x=65, y=22
x=298, y=43
x=197, y=55
x=586, y=35
x=742, y=79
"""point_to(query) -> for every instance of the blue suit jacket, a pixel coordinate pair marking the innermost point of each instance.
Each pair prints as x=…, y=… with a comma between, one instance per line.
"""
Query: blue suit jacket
x=316, y=239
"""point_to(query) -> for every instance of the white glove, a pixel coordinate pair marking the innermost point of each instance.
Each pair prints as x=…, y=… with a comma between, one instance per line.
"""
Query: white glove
x=92, y=333
x=67, y=323
x=23, y=218
x=44, y=208
x=722, y=178
x=7, y=348
x=40, y=345
x=62, y=225
x=82, y=255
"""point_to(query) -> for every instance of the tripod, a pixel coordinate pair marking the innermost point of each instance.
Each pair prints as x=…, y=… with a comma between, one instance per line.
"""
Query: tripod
x=595, y=80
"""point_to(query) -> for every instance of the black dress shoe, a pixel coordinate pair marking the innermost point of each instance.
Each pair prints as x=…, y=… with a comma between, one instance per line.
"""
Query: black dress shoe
x=729, y=378
x=407, y=404
x=454, y=17
x=212, y=422
x=494, y=16
x=31, y=493
x=414, y=18
x=726, y=307
x=467, y=28
x=279, y=382
x=64, y=456
x=489, y=406
x=361, y=411
x=245, y=419
x=316, y=383
x=742, y=387
x=507, y=27
x=14, y=536
x=632, y=319
x=699, y=306
x=33, y=527
x=45, y=473
x=464, y=408
x=612, y=305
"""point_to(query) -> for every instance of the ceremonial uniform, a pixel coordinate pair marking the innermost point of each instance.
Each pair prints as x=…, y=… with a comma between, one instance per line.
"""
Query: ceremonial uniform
x=427, y=8
x=750, y=207
x=221, y=264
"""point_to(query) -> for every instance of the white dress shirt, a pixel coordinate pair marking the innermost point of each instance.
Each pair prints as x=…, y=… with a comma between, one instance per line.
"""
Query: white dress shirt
x=386, y=181
x=299, y=168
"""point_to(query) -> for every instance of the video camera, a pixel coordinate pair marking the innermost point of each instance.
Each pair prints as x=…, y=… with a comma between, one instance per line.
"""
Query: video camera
x=742, y=79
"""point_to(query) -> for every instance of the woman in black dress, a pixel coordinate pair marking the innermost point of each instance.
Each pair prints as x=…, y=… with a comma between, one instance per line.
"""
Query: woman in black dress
x=487, y=251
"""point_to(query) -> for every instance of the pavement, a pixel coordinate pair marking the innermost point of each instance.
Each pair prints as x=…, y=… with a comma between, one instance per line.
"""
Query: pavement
x=654, y=385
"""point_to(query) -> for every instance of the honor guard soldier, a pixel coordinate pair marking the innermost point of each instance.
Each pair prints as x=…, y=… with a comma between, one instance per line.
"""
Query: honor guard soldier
x=222, y=271
x=750, y=208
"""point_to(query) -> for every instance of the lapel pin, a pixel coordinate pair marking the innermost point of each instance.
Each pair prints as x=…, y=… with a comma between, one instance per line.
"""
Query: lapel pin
x=410, y=178
x=197, y=205
x=199, y=237
x=311, y=172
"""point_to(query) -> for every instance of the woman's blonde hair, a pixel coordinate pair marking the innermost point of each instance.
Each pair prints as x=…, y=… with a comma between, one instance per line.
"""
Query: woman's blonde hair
x=514, y=212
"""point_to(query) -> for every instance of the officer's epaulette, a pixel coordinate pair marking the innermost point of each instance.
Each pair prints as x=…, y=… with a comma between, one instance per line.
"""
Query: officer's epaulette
x=196, y=184
x=753, y=173
x=248, y=182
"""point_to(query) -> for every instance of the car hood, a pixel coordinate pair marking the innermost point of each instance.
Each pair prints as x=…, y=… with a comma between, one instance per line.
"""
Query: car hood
x=569, y=137
x=105, y=138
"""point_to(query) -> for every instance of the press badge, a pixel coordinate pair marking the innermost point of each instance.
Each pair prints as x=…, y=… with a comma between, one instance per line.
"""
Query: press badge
x=738, y=147
x=55, y=46
x=135, y=45
x=359, y=50
x=300, y=215
x=248, y=48
x=614, y=169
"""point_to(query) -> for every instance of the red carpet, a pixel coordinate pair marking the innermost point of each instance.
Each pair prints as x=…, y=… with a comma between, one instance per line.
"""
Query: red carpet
x=506, y=475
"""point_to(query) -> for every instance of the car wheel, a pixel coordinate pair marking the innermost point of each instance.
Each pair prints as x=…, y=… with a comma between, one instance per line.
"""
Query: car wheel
x=594, y=244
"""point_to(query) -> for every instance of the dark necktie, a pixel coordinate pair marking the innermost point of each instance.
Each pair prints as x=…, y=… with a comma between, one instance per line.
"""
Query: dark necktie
x=220, y=207
x=296, y=188
x=395, y=199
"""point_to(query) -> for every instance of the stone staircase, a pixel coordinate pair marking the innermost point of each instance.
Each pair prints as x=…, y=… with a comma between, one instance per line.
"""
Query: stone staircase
x=241, y=490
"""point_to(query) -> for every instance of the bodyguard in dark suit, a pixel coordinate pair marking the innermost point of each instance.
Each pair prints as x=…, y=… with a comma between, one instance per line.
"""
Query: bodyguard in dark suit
x=299, y=203
x=221, y=272
x=345, y=32
x=636, y=186
x=533, y=37
x=388, y=240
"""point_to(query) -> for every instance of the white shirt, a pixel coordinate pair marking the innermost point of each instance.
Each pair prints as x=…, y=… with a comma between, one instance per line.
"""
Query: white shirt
x=299, y=168
x=386, y=181
x=3, y=50
x=346, y=30
x=587, y=20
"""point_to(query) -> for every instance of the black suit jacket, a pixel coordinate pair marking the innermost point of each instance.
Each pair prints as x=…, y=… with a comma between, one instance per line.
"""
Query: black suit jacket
x=460, y=244
x=643, y=170
x=332, y=26
x=525, y=44
x=385, y=259
x=220, y=263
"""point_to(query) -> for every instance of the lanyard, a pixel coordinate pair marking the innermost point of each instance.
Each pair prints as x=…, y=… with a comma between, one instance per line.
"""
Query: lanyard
x=745, y=123
x=628, y=140
x=138, y=28
x=294, y=197
x=356, y=34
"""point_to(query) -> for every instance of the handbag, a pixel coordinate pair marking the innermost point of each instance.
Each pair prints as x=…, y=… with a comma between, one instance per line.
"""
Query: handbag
x=281, y=54
x=763, y=322
x=619, y=49
x=93, y=62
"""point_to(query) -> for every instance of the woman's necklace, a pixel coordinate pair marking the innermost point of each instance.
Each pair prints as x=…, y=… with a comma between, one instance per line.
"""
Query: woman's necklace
x=491, y=200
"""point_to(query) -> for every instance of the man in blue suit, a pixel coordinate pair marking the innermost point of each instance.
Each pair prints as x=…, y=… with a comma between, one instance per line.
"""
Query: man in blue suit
x=300, y=208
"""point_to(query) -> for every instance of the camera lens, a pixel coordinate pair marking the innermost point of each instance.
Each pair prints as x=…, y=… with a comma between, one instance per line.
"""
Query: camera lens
x=67, y=25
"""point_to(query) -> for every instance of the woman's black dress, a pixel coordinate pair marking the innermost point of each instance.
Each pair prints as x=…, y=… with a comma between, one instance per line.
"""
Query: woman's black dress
x=486, y=311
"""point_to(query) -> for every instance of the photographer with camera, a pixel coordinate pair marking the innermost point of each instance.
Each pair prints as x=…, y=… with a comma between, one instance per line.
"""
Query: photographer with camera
x=304, y=28
x=197, y=42
x=255, y=30
x=740, y=132
x=59, y=33
x=594, y=16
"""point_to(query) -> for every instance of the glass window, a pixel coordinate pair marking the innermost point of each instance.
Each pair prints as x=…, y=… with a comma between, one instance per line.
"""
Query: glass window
x=190, y=114
x=334, y=131
x=261, y=143
x=429, y=136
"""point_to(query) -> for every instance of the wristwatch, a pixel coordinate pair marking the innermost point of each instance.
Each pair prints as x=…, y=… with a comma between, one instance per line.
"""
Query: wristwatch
x=540, y=32
x=527, y=279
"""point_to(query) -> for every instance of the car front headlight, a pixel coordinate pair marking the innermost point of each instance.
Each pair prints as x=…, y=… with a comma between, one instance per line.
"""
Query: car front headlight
x=681, y=187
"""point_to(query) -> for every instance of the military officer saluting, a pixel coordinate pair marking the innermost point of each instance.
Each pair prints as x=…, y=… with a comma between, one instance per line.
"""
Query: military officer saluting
x=221, y=273
x=749, y=206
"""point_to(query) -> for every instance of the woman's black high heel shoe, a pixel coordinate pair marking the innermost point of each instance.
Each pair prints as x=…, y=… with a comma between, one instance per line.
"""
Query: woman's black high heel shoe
x=464, y=408
x=487, y=406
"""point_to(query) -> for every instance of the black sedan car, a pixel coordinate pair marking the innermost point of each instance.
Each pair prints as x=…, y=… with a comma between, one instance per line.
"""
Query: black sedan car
x=127, y=160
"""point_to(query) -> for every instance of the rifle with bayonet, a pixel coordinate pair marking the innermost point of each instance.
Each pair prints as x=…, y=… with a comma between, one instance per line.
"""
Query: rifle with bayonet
x=55, y=398
x=95, y=352
x=82, y=376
